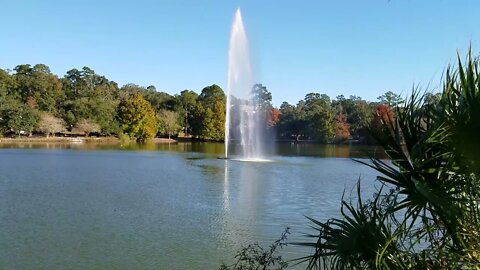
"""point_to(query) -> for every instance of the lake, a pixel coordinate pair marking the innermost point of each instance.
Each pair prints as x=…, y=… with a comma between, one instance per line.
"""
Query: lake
x=162, y=206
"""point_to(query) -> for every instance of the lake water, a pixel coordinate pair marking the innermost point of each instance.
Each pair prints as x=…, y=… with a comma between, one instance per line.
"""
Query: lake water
x=162, y=206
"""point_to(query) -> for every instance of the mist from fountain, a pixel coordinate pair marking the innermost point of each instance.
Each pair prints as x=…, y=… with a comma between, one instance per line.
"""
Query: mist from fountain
x=243, y=122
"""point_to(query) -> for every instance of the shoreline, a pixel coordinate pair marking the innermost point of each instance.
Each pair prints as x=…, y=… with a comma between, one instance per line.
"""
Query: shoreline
x=74, y=140
x=115, y=140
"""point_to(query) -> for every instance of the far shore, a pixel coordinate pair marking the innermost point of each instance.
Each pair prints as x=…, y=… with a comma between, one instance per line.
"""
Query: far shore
x=73, y=140
x=116, y=140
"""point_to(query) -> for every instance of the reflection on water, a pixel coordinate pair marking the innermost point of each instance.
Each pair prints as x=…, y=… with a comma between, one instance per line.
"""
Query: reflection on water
x=226, y=191
x=202, y=147
x=170, y=207
x=329, y=150
x=282, y=149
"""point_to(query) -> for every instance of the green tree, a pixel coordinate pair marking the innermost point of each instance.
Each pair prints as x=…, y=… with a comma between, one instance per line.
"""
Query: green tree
x=322, y=127
x=319, y=117
x=198, y=120
x=218, y=120
x=86, y=83
x=103, y=112
x=262, y=101
x=210, y=124
x=188, y=100
x=208, y=130
x=23, y=77
x=390, y=99
x=17, y=118
x=137, y=118
x=210, y=113
x=357, y=112
x=360, y=117
x=90, y=96
x=168, y=122
x=288, y=125
x=158, y=100
x=210, y=95
x=39, y=87
x=262, y=98
x=129, y=89
x=7, y=85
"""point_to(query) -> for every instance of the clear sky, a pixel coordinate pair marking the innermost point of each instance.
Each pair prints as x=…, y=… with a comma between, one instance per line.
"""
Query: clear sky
x=345, y=47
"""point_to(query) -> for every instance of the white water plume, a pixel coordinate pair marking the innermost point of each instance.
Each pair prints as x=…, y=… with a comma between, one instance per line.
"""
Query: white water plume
x=243, y=119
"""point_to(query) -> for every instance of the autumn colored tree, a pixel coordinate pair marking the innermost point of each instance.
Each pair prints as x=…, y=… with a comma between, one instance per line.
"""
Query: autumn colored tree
x=357, y=111
x=342, y=128
x=383, y=118
x=274, y=117
x=137, y=118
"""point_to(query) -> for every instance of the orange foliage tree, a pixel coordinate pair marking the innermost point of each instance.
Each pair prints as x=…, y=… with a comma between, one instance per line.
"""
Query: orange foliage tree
x=342, y=128
x=383, y=117
x=273, y=117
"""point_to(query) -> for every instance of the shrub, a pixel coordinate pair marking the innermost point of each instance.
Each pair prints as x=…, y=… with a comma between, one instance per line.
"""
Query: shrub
x=254, y=256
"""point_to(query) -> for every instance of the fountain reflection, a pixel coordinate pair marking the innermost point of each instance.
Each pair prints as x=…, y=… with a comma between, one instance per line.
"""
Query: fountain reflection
x=226, y=189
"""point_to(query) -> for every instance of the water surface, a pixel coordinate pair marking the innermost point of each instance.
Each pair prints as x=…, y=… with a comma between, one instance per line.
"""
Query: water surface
x=161, y=206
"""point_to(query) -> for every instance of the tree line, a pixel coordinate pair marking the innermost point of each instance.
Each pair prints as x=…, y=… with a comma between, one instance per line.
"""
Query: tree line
x=34, y=100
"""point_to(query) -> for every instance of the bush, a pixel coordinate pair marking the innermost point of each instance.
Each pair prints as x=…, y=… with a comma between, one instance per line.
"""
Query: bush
x=254, y=256
x=124, y=138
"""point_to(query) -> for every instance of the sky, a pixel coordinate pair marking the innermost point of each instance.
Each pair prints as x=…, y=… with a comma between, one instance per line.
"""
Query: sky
x=363, y=48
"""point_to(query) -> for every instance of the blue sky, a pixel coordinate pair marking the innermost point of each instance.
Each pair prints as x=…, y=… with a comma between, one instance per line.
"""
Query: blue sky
x=362, y=48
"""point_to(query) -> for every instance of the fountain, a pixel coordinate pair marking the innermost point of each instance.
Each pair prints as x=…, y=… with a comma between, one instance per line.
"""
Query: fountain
x=243, y=122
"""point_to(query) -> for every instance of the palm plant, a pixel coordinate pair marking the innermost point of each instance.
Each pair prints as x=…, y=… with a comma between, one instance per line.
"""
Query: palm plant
x=352, y=242
x=430, y=218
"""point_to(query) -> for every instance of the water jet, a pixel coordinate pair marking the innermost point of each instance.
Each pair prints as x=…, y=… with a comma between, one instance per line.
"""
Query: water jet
x=244, y=123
